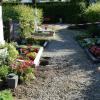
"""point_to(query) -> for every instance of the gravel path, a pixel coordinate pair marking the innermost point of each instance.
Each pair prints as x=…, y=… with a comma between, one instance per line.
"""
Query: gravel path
x=70, y=75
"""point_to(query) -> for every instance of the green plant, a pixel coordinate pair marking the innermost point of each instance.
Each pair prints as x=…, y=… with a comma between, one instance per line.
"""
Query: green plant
x=24, y=15
x=70, y=12
x=6, y=95
x=4, y=70
x=2, y=46
x=92, y=13
x=3, y=53
x=23, y=70
x=12, y=53
x=31, y=55
x=93, y=30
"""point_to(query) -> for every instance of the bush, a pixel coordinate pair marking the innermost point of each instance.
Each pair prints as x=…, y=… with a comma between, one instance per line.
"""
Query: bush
x=4, y=70
x=6, y=95
x=92, y=13
x=11, y=52
x=70, y=12
x=24, y=15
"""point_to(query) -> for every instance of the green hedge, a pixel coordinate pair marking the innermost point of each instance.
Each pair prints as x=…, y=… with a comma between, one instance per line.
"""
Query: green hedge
x=92, y=13
x=24, y=15
x=70, y=12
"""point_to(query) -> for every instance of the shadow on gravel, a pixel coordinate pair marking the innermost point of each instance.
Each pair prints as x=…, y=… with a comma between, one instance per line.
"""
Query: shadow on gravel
x=78, y=61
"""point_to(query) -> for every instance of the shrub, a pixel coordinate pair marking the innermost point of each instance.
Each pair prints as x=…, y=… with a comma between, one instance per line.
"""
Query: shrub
x=4, y=70
x=24, y=15
x=3, y=53
x=70, y=12
x=92, y=13
x=6, y=95
x=11, y=52
x=23, y=69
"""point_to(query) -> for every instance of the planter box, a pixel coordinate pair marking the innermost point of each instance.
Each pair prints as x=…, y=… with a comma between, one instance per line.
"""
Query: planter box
x=44, y=35
x=37, y=59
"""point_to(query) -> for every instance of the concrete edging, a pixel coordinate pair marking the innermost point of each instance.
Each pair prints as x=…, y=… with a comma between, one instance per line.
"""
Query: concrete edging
x=37, y=59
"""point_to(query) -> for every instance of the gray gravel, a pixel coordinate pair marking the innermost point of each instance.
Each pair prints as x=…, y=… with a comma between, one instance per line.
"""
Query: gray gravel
x=70, y=74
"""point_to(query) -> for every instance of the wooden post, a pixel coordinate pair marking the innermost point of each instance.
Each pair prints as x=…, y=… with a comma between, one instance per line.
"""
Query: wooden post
x=11, y=29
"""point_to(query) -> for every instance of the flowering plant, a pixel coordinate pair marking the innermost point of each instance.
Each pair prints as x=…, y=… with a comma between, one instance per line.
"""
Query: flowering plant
x=31, y=55
x=21, y=65
x=95, y=50
x=22, y=68
x=27, y=49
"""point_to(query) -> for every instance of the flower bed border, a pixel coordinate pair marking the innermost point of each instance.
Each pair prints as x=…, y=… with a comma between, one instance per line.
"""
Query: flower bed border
x=37, y=59
x=91, y=56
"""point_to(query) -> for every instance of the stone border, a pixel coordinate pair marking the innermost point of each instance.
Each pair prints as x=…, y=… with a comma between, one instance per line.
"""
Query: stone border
x=37, y=59
x=91, y=56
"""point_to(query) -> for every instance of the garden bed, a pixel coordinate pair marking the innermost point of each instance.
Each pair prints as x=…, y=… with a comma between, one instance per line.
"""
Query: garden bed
x=33, y=52
x=91, y=46
x=44, y=33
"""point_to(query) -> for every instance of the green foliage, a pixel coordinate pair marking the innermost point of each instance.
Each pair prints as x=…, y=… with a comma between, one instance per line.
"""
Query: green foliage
x=2, y=46
x=93, y=29
x=6, y=95
x=4, y=69
x=28, y=74
x=92, y=13
x=11, y=52
x=28, y=70
x=24, y=15
x=70, y=12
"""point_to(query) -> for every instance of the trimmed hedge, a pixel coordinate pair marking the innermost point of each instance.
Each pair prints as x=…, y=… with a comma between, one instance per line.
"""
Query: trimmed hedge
x=92, y=13
x=24, y=15
x=70, y=12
